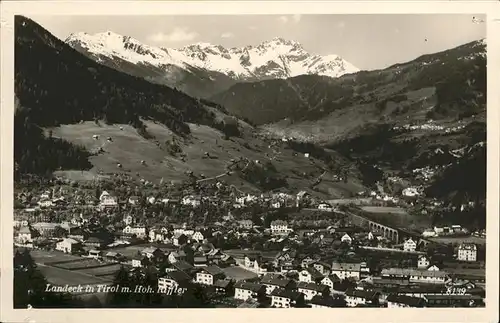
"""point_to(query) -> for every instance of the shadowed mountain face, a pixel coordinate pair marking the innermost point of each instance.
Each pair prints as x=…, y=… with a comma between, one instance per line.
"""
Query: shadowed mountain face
x=55, y=84
x=90, y=90
x=194, y=81
x=447, y=84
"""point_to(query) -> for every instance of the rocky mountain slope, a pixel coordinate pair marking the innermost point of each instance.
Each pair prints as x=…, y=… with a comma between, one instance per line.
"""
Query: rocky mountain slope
x=203, y=69
x=83, y=120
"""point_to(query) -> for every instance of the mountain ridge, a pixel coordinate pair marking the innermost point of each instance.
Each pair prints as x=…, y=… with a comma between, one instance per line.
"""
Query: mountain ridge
x=198, y=55
x=203, y=69
x=312, y=97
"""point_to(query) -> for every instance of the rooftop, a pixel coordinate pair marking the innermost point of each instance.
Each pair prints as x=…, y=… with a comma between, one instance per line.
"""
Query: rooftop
x=313, y=286
x=361, y=294
x=412, y=272
x=178, y=275
x=453, y=297
x=69, y=240
x=254, y=287
x=346, y=266
x=315, y=274
x=268, y=278
x=407, y=300
x=279, y=222
x=213, y=270
x=151, y=250
x=182, y=265
x=467, y=246
x=223, y=283
x=281, y=282
x=280, y=292
x=323, y=300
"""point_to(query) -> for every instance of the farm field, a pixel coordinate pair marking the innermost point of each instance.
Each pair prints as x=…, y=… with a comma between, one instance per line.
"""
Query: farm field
x=59, y=276
x=47, y=257
x=103, y=271
x=357, y=201
x=384, y=209
x=82, y=264
x=238, y=273
x=467, y=271
x=79, y=175
x=61, y=269
x=459, y=240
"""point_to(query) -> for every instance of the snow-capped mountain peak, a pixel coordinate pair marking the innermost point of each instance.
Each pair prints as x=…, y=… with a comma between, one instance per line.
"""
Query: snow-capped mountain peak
x=198, y=45
x=274, y=58
x=281, y=41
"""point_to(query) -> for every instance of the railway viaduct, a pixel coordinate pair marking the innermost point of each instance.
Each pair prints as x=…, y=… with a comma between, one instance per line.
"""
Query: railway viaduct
x=386, y=231
x=396, y=235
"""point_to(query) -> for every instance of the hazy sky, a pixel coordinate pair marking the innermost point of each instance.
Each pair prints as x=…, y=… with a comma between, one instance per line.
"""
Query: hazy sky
x=367, y=41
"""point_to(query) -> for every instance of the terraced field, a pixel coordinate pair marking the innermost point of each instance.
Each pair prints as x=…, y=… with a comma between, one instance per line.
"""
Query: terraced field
x=81, y=264
x=46, y=257
x=103, y=271
x=59, y=276
x=459, y=240
x=61, y=269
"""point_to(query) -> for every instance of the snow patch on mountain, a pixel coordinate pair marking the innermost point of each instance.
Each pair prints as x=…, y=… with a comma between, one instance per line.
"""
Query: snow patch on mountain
x=276, y=58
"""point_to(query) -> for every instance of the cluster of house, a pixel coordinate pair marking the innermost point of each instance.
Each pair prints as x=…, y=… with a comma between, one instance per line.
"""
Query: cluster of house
x=196, y=255
x=283, y=282
x=181, y=234
x=47, y=199
x=108, y=199
x=383, y=197
x=444, y=231
x=426, y=282
x=466, y=252
x=479, y=233
x=317, y=285
x=311, y=282
x=276, y=200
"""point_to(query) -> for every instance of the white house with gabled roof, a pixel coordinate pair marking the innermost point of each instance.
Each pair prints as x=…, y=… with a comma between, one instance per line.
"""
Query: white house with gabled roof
x=467, y=252
x=107, y=200
x=410, y=245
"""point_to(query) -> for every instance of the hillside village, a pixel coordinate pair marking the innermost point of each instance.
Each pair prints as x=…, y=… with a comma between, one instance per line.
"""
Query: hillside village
x=242, y=250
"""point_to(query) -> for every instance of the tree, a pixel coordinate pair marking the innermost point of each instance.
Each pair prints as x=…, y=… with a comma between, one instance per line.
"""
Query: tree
x=30, y=285
x=120, y=299
x=60, y=232
x=194, y=297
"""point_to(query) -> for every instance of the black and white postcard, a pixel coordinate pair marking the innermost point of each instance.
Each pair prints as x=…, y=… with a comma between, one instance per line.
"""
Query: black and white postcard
x=327, y=158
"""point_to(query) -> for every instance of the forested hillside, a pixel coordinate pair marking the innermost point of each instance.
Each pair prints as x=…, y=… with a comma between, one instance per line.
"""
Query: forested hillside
x=55, y=84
